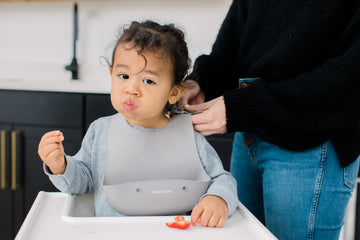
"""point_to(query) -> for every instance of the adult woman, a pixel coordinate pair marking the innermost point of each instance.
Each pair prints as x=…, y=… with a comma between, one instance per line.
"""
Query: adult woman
x=295, y=153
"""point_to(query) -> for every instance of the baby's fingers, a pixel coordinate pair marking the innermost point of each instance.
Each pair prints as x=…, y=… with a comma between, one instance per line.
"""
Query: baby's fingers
x=221, y=222
x=53, y=136
x=52, y=133
x=217, y=220
x=55, y=139
x=196, y=215
x=55, y=154
x=205, y=218
x=46, y=150
x=49, y=139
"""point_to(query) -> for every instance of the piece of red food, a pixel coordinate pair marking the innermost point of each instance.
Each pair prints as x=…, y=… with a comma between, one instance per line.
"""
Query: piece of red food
x=179, y=222
x=179, y=218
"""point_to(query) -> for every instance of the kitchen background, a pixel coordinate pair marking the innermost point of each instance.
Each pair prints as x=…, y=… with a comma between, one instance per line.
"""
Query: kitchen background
x=36, y=37
x=38, y=95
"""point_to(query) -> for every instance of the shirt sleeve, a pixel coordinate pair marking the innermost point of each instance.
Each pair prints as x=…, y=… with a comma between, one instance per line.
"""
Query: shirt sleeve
x=211, y=70
x=77, y=178
x=222, y=183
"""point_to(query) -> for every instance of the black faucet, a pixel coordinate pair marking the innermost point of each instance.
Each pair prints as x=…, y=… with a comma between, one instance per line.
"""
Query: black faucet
x=74, y=67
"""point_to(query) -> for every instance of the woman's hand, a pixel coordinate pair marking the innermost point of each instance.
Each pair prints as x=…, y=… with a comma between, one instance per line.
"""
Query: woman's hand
x=192, y=95
x=212, y=119
x=212, y=211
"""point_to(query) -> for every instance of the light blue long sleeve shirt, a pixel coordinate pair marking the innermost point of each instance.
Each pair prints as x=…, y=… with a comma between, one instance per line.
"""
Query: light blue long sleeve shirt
x=85, y=171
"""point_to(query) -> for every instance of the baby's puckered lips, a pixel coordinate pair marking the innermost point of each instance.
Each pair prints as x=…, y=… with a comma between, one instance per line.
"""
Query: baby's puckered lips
x=128, y=106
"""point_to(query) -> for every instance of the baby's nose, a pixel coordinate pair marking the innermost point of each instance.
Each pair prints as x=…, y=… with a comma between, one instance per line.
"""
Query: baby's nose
x=132, y=88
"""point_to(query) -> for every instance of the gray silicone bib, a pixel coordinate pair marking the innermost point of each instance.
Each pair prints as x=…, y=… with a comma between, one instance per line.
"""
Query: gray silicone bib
x=153, y=172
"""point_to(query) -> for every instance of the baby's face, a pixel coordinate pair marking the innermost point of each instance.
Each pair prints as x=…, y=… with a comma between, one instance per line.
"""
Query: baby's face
x=139, y=93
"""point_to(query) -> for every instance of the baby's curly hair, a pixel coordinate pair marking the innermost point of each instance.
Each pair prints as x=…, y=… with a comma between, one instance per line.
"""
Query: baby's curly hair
x=166, y=40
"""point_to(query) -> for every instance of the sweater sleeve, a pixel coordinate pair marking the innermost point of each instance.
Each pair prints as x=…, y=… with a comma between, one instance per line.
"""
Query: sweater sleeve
x=222, y=183
x=220, y=65
x=77, y=178
x=315, y=105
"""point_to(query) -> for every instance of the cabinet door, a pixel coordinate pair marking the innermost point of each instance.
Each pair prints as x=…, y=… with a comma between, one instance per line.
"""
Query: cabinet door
x=11, y=208
x=6, y=215
x=6, y=198
x=41, y=108
x=31, y=114
x=222, y=143
x=97, y=105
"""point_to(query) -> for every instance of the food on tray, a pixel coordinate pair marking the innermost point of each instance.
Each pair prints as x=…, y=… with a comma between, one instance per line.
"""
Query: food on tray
x=179, y=222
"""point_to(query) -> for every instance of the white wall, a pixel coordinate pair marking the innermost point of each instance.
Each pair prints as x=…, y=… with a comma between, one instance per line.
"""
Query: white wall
x=36, y=37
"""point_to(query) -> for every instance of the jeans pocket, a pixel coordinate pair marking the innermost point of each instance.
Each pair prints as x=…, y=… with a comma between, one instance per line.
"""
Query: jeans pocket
x=246, y=80
x=350, y=174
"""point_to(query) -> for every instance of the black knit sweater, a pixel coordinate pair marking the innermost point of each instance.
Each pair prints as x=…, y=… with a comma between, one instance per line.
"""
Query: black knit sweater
x=307, y=56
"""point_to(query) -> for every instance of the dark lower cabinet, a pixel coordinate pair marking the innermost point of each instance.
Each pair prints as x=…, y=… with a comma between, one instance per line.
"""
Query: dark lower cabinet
x=222, y=143
x=96, y=106
x=7, y=196
x=24, y=118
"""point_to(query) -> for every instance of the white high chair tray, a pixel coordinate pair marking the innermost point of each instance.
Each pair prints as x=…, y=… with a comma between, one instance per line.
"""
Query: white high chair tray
x=63, y=216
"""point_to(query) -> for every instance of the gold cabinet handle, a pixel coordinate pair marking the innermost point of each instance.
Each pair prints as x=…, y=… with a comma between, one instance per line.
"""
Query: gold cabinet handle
x=15, y=160
x=4, y=158
x=10, y=159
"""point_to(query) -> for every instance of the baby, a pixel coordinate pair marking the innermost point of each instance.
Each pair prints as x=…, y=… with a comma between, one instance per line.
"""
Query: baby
x=142, y=143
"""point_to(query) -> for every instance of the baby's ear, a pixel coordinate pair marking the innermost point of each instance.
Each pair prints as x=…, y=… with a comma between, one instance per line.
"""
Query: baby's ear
x=176, y=92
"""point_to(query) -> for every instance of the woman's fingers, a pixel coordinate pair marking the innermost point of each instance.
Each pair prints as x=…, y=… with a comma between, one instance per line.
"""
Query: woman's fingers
x=192, y=94
x=212, y=119
x=197, y=108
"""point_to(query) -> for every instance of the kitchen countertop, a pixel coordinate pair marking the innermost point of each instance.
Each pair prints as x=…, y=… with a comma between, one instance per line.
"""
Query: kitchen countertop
x=62, y=216
x=79, y=86
x=40, y=76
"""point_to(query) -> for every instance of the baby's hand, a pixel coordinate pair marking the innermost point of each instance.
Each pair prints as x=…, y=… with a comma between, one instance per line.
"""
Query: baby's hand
x=51, y=151
x=212, y=211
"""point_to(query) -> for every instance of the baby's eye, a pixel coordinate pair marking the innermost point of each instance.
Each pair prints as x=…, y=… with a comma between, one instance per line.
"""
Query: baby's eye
x=123, y=76
x=148, y=81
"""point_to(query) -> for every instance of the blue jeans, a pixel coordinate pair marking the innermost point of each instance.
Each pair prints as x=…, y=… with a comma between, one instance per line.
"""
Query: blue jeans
x=297, y=195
